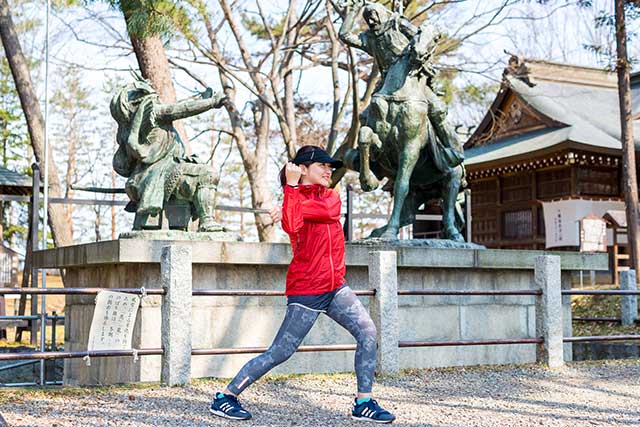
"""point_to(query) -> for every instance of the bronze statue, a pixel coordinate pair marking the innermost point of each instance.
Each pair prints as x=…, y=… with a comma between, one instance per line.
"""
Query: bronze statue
x=404, y=136
x=152, y=156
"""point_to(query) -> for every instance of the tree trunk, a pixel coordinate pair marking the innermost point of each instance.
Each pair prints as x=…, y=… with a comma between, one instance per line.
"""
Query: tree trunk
x=97, y=223
x=256, y=168
x=289, y=102
x=35, y=122
x=255, y=163
x=241, y=196
x=154, y=66
x=261, y=199
x=290, y=114
x=335, y=78
x=630, y=182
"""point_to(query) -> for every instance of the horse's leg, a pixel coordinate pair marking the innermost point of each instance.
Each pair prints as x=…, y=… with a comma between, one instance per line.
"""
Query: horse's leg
x=407, y=216
x=450, y=190
x=367, y=138
x=408, y=159
x=378, y=232
x=344, y=153
x=409, y=207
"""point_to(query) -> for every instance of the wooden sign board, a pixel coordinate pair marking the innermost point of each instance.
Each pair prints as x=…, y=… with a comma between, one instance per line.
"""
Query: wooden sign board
x=593, y=234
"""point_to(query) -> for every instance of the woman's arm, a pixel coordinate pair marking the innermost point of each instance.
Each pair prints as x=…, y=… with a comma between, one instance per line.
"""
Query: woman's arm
x=296, y=209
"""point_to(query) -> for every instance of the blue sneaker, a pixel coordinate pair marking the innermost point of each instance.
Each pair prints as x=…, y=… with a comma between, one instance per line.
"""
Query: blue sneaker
x=371, y=411
x=227, y=406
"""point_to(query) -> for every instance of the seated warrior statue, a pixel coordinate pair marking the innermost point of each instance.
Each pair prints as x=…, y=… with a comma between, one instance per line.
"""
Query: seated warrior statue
x=152, y=155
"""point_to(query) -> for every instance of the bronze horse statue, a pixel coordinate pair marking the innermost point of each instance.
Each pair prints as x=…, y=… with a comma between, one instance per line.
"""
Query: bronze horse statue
x=403, y=136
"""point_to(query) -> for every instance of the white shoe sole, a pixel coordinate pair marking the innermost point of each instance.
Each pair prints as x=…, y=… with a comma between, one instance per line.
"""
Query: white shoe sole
x=229, y=417
x=371, y=420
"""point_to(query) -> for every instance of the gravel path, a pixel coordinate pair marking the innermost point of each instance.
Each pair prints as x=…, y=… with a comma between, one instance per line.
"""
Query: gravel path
x=583, y=394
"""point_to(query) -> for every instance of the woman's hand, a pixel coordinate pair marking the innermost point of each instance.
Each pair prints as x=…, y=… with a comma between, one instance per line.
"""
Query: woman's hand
x=293, y=173
x=276, y=215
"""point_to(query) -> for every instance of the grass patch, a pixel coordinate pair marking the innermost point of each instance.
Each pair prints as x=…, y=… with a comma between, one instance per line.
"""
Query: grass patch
x=599, y=306
x=26, y=338
x=12, y=344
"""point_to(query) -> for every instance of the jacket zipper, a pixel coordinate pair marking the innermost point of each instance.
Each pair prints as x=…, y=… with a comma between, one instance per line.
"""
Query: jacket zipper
x=330, y=255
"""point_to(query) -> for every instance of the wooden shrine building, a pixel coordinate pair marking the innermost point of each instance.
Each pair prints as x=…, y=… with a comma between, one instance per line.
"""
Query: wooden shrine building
x=549, y=147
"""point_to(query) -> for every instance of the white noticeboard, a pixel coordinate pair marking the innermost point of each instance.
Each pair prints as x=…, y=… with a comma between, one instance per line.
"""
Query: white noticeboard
x=593, y=234
x=113, y=320
x=561, y=219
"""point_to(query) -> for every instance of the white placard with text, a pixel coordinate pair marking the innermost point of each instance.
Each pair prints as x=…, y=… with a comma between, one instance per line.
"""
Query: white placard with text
x=593, y=234
x=113, y=321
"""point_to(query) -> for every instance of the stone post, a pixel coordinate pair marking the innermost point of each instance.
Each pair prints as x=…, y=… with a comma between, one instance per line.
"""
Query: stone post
x=383, y=277
x=175, y=271
x=549, y=311
x=628, y=303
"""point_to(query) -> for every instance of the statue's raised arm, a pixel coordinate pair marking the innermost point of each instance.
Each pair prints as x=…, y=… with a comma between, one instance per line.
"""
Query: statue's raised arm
x=190, y=107
x=387, y=35
x=406, y=27
x=346, y=33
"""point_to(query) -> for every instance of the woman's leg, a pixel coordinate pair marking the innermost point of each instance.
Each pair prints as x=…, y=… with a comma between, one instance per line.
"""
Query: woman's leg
x=348, y=311
x=295, y=326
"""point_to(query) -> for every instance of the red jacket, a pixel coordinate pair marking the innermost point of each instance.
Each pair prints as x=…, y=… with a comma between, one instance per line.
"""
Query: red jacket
x=311, y=218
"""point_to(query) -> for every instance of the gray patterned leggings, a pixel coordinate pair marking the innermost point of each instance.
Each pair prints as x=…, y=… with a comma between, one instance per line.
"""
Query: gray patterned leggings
x=347, y=310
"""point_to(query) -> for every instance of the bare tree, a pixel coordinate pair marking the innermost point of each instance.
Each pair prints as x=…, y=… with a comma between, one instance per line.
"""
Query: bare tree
x=35, y=122
x=71, y=101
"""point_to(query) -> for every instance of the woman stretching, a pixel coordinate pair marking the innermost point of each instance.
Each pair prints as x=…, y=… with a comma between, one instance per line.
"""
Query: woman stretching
x=315, y=284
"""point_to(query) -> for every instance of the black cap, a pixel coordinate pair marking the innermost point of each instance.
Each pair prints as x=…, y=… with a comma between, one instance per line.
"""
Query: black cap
x=317, y=155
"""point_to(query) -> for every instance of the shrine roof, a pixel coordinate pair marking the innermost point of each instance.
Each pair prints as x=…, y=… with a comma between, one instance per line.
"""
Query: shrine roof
x=516, y=146
x=12, y=182
x=564, y=104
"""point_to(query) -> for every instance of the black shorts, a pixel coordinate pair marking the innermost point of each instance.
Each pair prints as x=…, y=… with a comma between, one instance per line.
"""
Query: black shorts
x=318, y=302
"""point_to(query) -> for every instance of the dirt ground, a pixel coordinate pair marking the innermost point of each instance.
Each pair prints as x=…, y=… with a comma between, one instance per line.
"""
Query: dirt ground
x=582, y=394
